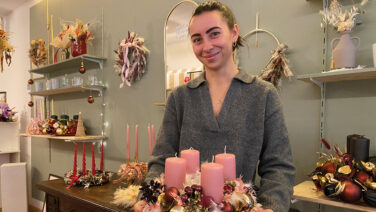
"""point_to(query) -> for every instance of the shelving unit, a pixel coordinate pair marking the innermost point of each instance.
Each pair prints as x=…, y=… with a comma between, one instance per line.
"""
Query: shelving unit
x=72, y=62
x=83, y=88
x=67, y=138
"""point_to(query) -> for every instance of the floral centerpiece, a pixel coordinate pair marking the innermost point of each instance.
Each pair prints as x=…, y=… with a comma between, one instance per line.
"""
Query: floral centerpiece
x=6, y=113
x=338, y=176
x=62, y=42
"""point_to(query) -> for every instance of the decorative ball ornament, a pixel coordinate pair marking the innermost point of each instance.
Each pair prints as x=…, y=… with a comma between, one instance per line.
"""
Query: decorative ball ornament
x=30, y=104
x=82, y=69
x=90, y=99
x=171, y=193
x=351, y=192
x=362, y=177
x=30, y=81
x=177, y=208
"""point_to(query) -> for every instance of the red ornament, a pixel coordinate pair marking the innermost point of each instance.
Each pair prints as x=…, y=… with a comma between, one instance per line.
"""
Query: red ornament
x=351, y=193
x=186, y=79
x=171, y=193
x=362, y=177
x=82, y=69
x=206, y=201
x=90, y=99
x=31, y=103
x=30, y=81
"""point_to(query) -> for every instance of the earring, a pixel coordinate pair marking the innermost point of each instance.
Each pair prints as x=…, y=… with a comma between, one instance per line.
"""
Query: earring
x=233, y=45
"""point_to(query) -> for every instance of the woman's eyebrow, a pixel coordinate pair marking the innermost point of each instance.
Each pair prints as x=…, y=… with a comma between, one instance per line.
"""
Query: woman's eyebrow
x=207, y=31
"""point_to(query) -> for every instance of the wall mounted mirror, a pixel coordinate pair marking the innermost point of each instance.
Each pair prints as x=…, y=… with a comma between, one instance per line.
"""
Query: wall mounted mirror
x=181, y=65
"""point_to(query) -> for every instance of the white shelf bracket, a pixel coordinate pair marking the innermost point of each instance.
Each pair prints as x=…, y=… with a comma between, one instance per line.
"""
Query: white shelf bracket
x=100, y=63
x=318, y=83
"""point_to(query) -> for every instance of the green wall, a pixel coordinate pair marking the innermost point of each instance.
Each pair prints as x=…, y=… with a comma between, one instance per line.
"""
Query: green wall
x=295, y=22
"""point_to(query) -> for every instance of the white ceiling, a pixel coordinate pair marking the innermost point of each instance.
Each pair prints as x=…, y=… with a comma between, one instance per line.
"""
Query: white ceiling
x=7, y=6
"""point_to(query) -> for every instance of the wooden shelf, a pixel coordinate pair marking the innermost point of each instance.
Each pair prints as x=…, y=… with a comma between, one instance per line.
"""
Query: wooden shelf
x=9, y=151
x=66, y=138
x=306, y=191
x=97, y=88
x=340, y=75
x=69, y=63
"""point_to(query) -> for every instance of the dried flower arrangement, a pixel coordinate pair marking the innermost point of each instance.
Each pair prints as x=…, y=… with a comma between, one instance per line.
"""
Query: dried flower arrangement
x=130, y=59
x=62, y=41
x=6, y=113
x=341, y=20
x=5, y=48
x=80, y=31
x=38, y=52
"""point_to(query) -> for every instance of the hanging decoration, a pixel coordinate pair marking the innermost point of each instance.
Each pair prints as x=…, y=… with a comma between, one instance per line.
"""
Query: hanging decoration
x=38, y=52
x=277, y=66
x=130, y=59
x=5, y=48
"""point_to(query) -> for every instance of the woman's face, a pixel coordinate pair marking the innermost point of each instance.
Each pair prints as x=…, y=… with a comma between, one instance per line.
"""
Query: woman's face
x=212, y=39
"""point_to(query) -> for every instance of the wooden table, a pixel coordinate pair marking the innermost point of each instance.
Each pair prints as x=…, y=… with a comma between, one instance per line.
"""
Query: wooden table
x=95, y=198
x=306, y=191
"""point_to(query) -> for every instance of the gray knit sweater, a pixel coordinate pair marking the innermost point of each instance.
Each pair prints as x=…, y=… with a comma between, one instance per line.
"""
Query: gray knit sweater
x=250, y=124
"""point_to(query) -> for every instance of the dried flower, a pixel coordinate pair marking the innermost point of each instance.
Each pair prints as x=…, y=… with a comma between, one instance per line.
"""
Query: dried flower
x=341, y=20
x=38, y=52
x=5, y=48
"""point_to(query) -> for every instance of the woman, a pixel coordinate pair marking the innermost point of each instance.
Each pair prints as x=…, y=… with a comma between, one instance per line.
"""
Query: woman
x=227, y=107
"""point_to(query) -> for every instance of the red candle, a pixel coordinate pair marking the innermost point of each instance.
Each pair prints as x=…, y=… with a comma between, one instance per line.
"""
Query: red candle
x=193, y=160
x=175, y=170
x=228, y=162
x=102, y=155
x=128, y=146
x=93, y=159
x=150, y=144
x=136, y=144
x=75, y=160
x=83, y=159
x=212, y=180
x=153, y=134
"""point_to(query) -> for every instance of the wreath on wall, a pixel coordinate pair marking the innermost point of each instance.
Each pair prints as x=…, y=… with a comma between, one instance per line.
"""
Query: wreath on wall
x=130, y=59
x=38, y=52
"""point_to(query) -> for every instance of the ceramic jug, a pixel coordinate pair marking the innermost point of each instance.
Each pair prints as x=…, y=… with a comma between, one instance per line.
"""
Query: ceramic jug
x=345, y=51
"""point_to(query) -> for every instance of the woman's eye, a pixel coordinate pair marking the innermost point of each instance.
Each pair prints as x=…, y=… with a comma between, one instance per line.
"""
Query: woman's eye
x=196, y=40
x=214, y=34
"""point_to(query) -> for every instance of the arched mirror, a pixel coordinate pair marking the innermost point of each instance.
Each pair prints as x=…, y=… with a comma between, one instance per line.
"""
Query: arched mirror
x=181, y=65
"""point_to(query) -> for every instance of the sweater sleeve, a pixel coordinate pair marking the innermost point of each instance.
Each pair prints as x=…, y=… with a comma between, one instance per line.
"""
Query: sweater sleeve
x=276, y=167
x=167, y=143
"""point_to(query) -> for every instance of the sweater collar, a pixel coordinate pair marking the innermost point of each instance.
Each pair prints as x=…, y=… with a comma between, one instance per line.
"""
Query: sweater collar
x=241, y=76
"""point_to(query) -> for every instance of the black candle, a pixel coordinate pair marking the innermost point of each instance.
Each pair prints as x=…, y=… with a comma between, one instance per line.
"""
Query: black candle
x=359, y=148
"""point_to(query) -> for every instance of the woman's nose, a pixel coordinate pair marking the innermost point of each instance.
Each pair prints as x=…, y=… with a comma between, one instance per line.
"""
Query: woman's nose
x=207, y=45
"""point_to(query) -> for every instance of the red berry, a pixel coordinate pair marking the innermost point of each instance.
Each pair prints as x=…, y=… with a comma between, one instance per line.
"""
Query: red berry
x=206, y=201
x=228, y=189
x=184, y=198
x=197, y=188
x=188, y=190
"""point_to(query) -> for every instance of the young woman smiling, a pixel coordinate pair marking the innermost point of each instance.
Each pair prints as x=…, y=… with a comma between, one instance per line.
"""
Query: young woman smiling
x=225, y=106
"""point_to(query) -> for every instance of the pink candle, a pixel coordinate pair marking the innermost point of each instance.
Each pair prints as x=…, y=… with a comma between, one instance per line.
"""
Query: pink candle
x=136, y=144
x=75, y=160
x=212, y=180
x=101, y=156
x=193, y=160
x=175, y=169
x=228, y=162
x=93, y=158
x=83, y=159
x=128, y=146
x=150, y=144
x=153, y=134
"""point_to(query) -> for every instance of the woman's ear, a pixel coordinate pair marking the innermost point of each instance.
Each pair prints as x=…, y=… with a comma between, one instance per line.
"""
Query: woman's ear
x=235, y=33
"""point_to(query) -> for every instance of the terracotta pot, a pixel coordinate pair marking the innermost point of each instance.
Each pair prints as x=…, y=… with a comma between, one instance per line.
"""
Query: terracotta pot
x=78, y=48
x=345, y=51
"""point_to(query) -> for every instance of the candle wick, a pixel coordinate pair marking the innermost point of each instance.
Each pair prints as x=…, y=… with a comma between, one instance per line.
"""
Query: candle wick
x=225, y=149
x=176, y=154
x=191, y=148
x=212, y=158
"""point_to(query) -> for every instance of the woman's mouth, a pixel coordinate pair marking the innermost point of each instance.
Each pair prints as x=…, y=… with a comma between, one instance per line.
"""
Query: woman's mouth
x=211, y=57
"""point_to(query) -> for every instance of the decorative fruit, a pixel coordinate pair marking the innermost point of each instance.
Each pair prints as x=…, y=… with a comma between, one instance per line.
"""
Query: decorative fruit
x=329, y=189
x=90, y=99
x=30, y=81
x=171, y=193
x=351, y=192
x=31, y=103
x=362, y=177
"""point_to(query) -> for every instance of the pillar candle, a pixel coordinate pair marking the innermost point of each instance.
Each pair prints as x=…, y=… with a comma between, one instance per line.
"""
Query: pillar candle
x=128, y=146
x=193, y=160
x=93, y=159
x=228, y=162
x=153, y=134
x=75, y=160
x=212, y=180
x=175, y=170
x=83, y=159
x=101, y=156
x=150, y=144
x=136, y=144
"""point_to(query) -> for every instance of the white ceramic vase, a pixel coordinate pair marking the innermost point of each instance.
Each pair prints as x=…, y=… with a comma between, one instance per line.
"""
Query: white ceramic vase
x=344, y=52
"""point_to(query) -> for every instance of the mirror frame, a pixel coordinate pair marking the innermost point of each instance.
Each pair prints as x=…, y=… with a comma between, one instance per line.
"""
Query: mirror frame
x=164, y=46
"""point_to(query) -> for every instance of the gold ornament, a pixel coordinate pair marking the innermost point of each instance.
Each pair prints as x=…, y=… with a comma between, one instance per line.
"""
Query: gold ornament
x=82, y=69
x=90, y=99
x=177, y=208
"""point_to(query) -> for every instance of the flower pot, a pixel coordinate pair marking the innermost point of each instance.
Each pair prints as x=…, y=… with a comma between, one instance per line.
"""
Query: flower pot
x=78, y=48
x=345, y=51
